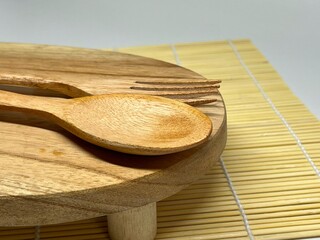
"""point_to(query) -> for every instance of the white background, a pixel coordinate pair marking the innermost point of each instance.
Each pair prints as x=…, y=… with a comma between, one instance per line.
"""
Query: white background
x=287, y=31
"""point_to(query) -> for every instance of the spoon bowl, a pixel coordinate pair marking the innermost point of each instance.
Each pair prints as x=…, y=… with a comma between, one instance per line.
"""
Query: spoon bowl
x=128, y=123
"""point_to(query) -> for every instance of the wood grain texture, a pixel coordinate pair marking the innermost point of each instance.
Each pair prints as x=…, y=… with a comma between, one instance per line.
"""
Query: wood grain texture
x=159, y=125
x=75, y=72
x=137, y=223
x=78, y=83
x=49, y=176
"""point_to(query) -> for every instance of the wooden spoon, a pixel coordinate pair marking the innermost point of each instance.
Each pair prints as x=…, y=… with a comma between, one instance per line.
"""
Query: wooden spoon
x=129, y=123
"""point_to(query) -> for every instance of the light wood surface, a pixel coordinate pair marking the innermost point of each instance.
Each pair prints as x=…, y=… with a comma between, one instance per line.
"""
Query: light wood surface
x=128, y=123
x=49, y=176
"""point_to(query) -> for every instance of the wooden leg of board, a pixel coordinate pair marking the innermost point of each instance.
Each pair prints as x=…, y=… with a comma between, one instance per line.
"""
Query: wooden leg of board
x=134, y=224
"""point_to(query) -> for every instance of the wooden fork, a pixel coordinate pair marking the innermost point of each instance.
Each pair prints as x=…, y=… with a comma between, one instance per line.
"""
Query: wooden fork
x=193, y=91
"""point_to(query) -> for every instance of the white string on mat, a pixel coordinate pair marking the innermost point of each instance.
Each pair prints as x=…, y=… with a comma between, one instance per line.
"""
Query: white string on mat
x=37, y=233
x=266, y=97
x=225, y=171
x=175, y=54
x=237, y=199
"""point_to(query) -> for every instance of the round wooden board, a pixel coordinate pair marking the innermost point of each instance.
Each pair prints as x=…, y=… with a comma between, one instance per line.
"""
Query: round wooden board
x=48, y=176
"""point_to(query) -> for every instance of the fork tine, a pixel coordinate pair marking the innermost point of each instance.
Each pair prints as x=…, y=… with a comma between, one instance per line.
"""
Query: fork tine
x=180, y=94
x=178, y=87
x=179, y=81
x=198, y=101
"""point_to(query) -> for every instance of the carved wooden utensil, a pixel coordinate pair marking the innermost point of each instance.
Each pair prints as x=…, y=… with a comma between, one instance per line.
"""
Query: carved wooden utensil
x=129, y=123
x=75, y=72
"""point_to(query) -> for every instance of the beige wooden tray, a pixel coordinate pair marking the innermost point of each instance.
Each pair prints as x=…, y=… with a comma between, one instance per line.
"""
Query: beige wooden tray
x=49, y=176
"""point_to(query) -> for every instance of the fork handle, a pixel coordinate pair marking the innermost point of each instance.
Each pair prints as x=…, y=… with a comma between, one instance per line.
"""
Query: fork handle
x=31, y=104
x=40, y=82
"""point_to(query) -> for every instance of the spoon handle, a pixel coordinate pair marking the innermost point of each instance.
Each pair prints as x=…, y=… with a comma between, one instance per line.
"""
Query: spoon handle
x=30, y=104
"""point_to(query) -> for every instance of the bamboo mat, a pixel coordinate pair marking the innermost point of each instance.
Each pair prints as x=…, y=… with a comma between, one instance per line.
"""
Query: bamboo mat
x=266, y=185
